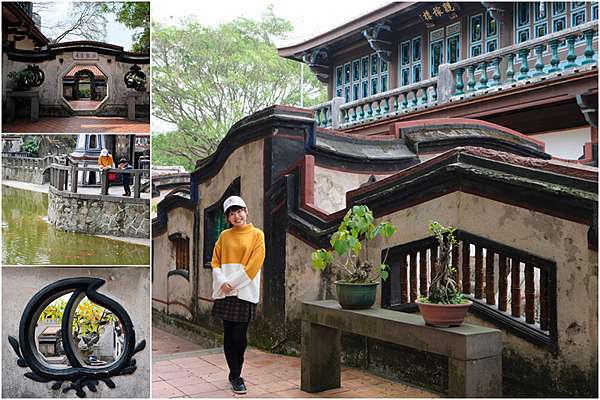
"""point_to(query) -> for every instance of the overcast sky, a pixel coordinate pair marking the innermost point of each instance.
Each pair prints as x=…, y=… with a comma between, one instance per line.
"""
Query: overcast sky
x=309, y=18
x=116, y=33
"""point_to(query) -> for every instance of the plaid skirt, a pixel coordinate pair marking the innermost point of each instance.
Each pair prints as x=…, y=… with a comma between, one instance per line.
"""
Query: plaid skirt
x=233, y=309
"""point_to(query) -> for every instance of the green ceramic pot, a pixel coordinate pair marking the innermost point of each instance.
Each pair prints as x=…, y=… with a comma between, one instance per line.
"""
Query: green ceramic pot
x=356, y=296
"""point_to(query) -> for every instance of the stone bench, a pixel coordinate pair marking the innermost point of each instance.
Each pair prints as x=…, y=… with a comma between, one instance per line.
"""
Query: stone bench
x=474, y=352
x=34, y=101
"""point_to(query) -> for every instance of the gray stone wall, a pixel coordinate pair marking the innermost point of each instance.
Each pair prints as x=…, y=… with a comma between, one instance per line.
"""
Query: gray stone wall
x=130, y=286
x=24, y=174
x=97, y=214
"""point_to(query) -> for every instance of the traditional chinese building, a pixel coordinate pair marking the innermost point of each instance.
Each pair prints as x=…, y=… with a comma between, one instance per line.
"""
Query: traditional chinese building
x=414, y=60
x=478, y=115
x=71, y=78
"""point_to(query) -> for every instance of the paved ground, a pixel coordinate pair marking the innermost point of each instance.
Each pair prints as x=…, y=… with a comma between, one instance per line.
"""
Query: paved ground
x=84, y=104
x=76, y=125
x=182, y=369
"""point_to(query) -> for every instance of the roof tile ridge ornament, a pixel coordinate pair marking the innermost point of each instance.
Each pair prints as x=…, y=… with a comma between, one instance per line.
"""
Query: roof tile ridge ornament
x=383, y=48
x=317, y=62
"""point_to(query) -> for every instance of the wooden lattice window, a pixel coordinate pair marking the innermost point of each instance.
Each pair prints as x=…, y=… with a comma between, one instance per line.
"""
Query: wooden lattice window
x=181, y=245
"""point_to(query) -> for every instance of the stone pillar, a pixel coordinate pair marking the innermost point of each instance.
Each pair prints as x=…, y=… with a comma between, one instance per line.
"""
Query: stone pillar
x=10, y=106
x=131, y=98
x=320, y=358
x=35, y=108
x=475, y=378
x=445, y=86
x=336, y=114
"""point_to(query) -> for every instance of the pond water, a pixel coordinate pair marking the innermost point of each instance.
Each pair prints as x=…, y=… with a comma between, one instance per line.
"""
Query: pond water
x=28, y=239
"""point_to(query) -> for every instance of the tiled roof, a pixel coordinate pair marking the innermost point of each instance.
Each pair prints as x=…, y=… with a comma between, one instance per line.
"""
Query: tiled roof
x=92, y=68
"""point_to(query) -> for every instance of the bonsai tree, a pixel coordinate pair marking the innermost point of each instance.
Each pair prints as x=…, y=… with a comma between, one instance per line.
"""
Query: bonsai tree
x=356, y=227
x=443, y=288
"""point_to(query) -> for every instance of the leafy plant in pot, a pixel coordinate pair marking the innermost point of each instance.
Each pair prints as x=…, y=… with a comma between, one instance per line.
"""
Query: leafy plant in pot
x=445, y=305
x=357, y=288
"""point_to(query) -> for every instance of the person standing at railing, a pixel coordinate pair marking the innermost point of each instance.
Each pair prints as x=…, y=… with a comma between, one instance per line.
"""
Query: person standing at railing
x=105, y=161
x=123, y=164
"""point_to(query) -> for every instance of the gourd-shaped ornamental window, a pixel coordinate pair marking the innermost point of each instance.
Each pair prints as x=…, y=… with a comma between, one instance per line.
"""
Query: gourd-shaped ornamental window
x=29, y=77
x=71, y=333
x=135, y=79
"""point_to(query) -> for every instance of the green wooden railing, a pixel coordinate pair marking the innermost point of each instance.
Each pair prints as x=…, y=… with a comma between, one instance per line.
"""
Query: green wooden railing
x=569, y=51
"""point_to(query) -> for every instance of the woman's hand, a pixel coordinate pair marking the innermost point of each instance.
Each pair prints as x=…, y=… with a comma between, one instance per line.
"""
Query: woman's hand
x=226, y=288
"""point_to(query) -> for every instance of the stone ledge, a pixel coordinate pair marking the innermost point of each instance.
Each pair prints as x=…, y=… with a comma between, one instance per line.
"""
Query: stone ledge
x=98, y=197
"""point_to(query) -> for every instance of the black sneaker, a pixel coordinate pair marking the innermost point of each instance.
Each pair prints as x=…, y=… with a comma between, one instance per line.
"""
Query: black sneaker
x=238, y=386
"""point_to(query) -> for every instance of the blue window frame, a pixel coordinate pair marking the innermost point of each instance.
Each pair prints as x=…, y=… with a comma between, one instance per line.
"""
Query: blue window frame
x=353, y=79
x=409, y=61
x=483, y=34
x=436, y=51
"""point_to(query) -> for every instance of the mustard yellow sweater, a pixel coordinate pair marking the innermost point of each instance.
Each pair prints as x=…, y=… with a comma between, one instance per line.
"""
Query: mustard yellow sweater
x=237, y=259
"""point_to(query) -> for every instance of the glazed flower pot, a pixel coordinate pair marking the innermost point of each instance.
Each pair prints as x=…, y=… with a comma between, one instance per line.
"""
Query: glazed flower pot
x=356, y=296
x=444, y=315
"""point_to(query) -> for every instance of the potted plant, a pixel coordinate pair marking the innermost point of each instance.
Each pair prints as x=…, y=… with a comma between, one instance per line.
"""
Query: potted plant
x=445, y=305
x=357, y=288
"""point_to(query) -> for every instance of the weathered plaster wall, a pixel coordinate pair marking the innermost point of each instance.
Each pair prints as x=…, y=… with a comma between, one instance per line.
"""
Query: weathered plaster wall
x=302, y=282
x=130, y=286
x=564, y=242
x=331, y=187
x=245, y=162
x=99, y=214
x=549, y=237
x=161, y=248
x=179, y=289
x=51, y=101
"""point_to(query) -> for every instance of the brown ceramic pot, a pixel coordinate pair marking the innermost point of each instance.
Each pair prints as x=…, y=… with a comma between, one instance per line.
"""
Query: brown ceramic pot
x=444, y=315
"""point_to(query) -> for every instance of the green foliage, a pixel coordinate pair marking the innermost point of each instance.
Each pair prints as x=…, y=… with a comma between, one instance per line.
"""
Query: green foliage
x=89, y=317
x=443, y=288
x=163, y=147
x=134, y=15
x=31, y=145
x=206, y=79
x=357, y=226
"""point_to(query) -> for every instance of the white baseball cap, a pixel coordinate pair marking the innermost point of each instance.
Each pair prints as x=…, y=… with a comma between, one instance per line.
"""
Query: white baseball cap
x=233, y=201
x=104, y=152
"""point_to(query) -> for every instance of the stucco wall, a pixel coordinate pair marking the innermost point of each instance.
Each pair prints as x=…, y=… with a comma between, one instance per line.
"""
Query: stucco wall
x=178, y=289
x=51, y=101
x=245, y=162
x=128, y=286
x=99, y=215
x=331, y=187
x=546, y=236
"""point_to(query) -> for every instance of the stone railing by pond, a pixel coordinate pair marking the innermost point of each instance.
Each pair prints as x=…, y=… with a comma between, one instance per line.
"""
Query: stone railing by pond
x=548, y=57
x=65, y=178
x=94, y=210
x=20, y=167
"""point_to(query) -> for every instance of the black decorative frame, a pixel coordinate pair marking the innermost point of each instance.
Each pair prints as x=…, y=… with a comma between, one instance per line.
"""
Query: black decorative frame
x=135, y=79
x=79, y=375
x=209, y=212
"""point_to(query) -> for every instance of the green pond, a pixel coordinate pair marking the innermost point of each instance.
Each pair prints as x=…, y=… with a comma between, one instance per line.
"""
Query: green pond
x=28, y=238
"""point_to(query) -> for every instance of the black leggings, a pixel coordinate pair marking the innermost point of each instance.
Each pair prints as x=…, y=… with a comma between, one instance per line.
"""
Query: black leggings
x=234, y=343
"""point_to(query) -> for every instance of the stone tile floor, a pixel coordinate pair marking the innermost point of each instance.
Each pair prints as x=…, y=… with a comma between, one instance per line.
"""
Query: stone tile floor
x=183, y=369
x=77, y=124
x=84, y=104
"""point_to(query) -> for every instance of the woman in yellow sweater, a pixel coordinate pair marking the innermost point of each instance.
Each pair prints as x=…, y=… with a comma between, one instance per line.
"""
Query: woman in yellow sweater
x=237, y=259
